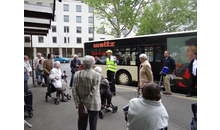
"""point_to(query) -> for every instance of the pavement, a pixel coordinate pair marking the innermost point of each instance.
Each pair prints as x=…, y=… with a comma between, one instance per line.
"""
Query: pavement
x=48, y=116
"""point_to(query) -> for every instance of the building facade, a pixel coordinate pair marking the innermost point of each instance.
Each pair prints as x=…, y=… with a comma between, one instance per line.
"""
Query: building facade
x=72, y=26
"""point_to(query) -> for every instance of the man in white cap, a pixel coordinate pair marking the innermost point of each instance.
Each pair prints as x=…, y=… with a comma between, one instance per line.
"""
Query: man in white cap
x=36, y=62
x=111, y=66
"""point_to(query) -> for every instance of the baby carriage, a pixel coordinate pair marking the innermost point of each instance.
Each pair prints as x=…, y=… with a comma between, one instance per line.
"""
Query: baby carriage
x=163, y=73
x=194, y=119
x=28, y=99
x=106, y=92
x=53, y=89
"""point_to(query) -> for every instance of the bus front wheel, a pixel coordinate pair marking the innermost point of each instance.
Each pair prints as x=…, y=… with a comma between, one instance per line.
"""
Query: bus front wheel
x=124, y=78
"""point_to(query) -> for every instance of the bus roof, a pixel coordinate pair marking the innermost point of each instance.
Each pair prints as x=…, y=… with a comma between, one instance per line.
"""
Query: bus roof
x=150, y=35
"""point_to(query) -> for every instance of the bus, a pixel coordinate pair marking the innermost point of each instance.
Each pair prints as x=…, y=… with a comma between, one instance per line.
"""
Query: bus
x=181, y=46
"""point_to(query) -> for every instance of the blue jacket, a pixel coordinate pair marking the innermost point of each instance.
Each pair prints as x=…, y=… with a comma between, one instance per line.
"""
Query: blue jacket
x=73, y=65
x=26, y=77
x=170, y=63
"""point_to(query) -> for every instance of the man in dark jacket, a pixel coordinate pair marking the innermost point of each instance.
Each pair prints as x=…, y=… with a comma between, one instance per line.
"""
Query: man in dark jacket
x=74, y=65
x=170, y=63
x=193, y=72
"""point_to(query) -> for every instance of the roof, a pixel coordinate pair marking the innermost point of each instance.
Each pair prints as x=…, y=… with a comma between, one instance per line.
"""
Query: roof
x=37, y=18
x=141, y=36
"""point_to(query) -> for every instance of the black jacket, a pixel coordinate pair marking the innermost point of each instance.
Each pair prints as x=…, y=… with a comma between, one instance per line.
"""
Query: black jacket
x=73, y=65
x=170, y=63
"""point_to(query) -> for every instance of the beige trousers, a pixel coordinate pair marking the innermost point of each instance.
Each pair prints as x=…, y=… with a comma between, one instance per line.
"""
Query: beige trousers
x=166, y=80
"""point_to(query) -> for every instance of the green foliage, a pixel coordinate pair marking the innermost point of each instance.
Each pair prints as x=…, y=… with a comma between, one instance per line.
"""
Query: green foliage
x=167, y=16
x=125, y=12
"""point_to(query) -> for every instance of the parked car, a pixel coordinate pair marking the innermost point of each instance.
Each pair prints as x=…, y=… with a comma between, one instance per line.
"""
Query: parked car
x=60, y=59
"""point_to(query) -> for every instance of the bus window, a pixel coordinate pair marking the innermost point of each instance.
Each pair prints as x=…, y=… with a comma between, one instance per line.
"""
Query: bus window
x=159, y=53
x=149, y=53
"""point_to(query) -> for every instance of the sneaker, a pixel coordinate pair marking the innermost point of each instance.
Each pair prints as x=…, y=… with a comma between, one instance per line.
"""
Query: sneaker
x=108, y=108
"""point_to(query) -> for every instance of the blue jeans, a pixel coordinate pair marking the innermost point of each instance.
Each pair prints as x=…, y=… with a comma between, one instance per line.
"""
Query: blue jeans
x=41, y=78
x=71, y=80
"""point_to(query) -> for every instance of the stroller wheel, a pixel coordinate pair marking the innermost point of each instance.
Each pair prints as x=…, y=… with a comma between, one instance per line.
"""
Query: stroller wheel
x=115, y=109
x=38, y=83
x=101, y=114
x=43, y=85
x=30, y=115
x=68, y=96
x=56, y=101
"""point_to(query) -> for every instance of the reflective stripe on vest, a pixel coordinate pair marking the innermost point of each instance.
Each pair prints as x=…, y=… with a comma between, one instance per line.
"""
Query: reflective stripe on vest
x=110, y=65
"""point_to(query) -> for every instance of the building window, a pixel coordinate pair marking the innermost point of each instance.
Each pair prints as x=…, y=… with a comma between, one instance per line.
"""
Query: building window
x=40, y=39
x=39, y=3
x=90, y=39
x=55, y=18
x=51, y=5
x=54, y=29
x=102, y=20
x=91, y=9
x=78, y=40
x=66, y=29
x=78, y=30
x=66, y=39
x=114, y=20
x=102, y=38
x=78, y=8
x=54, y=39
x=27, y=39
x=90, y=19
x=102, y=30
x=91, y=30
x=124, y=32
x=66, y=18
x=78, y=19
x=113, y=30
x=26, y=2
x=65, y=7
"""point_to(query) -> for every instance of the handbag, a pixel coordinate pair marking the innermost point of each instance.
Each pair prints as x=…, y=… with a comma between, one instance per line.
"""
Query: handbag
x=82, y=110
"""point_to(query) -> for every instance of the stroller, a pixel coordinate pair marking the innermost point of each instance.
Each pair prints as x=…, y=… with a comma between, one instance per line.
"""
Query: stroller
x=163, y=73
x=105, y=90
x=194, y=119
x=28, y=100
x=53, y=89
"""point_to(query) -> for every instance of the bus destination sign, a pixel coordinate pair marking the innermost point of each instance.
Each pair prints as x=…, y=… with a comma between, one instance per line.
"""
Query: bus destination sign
x=105, y=44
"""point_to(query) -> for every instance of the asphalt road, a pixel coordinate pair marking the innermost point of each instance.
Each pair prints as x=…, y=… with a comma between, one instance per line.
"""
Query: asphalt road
x=48, y=116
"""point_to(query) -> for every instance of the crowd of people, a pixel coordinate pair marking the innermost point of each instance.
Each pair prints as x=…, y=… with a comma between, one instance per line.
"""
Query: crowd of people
x=146, y=112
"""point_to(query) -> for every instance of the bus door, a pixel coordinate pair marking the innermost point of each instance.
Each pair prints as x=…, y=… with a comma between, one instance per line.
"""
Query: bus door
x=155, y=54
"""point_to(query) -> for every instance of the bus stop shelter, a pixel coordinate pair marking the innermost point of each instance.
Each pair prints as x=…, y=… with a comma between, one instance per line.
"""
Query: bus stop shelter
x=37, y=22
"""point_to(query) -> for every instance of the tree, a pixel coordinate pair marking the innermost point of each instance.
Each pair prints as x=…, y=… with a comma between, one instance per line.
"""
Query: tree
x=120, y=14
x=168, y=16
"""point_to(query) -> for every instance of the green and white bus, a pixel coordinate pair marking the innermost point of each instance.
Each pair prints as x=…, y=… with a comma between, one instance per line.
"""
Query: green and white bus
x=181, y=46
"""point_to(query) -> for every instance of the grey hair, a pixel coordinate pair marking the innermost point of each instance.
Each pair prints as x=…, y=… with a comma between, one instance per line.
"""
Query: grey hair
x=75, y=55
x=56, y=63
x=38, y=54
x=88, y=61
x=98, y=69
x=143, y=56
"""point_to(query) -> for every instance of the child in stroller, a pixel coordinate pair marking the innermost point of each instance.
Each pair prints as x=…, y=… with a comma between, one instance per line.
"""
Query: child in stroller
x=106, y=94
